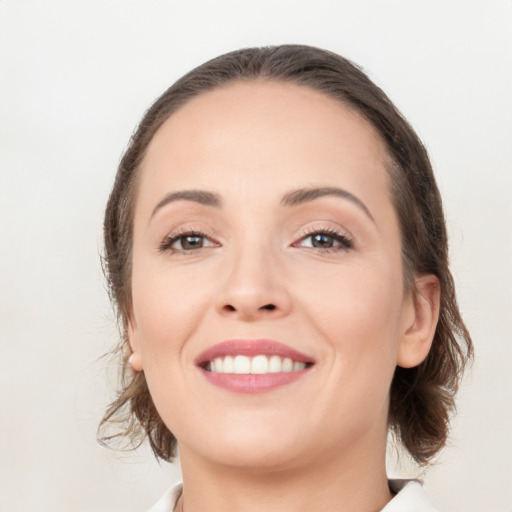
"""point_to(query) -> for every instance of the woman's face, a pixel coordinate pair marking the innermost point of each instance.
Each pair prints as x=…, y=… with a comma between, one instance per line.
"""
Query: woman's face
x=268, y=300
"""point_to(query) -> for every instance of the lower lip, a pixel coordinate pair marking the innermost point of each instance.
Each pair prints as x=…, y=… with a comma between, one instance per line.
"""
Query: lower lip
x=252, y=383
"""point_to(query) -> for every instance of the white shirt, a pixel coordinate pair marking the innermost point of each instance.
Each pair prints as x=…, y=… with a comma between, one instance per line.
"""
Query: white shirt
x=410, y=497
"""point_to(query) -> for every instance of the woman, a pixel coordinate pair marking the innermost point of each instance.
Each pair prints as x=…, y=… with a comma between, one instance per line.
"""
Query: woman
x=276, y=249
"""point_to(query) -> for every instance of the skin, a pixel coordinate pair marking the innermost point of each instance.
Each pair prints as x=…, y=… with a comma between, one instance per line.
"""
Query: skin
x=318, y=443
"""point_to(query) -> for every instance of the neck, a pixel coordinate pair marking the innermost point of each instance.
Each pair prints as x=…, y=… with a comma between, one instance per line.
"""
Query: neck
x=348, y=481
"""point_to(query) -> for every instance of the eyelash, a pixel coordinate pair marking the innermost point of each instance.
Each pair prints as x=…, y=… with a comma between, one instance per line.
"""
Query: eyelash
x=345, y=242
x=167, y=243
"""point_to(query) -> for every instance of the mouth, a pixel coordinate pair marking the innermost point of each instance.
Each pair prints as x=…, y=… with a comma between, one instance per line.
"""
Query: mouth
x=250, y=366
x=257, y=365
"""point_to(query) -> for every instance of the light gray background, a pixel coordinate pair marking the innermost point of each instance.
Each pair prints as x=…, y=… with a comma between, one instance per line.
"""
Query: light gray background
x=76, y=76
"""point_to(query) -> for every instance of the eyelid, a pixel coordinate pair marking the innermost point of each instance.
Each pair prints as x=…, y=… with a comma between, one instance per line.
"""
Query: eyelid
x=167, y=242
x=342, y=235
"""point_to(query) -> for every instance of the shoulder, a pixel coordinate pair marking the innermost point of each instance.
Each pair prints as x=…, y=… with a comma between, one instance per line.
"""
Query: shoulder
x=410, y=496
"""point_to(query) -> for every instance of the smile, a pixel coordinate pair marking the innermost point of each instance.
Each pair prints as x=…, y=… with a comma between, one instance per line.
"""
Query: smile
x=252, y=366
x=258, y=365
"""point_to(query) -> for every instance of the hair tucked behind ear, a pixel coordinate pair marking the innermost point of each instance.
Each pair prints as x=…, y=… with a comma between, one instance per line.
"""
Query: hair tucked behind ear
x=422, y=398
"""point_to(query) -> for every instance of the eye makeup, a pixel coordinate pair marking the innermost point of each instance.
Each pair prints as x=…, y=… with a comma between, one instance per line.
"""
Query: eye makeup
x=327, y=239
x=191, y=240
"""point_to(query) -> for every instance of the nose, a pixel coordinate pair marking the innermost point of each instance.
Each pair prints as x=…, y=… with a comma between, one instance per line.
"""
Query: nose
x=254, y=288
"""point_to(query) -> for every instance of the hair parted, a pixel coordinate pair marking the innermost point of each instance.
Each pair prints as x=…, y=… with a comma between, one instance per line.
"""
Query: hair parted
x=422, y=398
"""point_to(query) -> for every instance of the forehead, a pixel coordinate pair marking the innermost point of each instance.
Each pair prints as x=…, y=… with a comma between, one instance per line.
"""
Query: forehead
x=265, y=133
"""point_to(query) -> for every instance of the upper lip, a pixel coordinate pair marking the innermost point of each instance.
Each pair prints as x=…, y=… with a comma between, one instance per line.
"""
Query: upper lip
x=251, y=348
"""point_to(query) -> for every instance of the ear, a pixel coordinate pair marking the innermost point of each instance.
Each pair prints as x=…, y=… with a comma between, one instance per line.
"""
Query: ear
x=135, y=358
x=421, y=321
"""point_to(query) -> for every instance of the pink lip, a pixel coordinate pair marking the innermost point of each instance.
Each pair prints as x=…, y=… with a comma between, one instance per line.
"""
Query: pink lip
x=252, y=383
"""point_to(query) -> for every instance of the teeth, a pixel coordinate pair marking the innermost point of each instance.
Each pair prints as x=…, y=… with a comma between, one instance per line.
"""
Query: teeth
x=218, y=364
x=287, y=365
x=229, y=365
x=258, y=365
x=275, y=365
x=242, y=364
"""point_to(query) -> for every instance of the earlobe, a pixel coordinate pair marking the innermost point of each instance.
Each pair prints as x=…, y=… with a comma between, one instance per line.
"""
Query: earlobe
x=419, y=333
x=135, y=362
x=135, y=358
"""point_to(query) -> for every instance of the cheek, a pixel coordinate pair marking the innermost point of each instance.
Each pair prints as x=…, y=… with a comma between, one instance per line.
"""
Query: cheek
x=359, y=316
x=167, y=315
x=355, y=305
x=166, y=308
x=359, y=319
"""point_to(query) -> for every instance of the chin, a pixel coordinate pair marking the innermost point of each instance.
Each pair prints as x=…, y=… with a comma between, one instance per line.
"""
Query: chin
x=252, y=457
x=249, y=449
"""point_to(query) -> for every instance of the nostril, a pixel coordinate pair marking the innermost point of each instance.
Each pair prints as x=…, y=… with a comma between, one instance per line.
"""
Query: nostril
x=229, y=308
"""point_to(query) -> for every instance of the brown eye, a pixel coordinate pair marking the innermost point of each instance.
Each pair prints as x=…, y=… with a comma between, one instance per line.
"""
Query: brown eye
x=322, y=241
x=188, y=242
x=325, y=240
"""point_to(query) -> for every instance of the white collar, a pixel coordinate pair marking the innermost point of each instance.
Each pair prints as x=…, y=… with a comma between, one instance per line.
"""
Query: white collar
x=410, y=496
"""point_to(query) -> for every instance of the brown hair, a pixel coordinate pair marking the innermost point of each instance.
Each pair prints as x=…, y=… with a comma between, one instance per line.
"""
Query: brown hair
x=422, y=398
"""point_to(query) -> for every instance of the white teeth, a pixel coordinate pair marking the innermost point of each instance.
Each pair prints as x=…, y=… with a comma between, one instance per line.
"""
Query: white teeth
x=275, y=365
x=242, y=364
x=228, y=365
x=287, y=365
x=219, y=364
x=257, y=365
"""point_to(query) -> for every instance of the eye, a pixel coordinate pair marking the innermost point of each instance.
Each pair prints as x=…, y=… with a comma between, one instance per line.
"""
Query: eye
x=186, y=242
x=327, y=240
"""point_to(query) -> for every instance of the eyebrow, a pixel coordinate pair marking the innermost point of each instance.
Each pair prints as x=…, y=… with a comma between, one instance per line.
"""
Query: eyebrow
x=197, y=196
x=305, y=195
x=293, y=198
